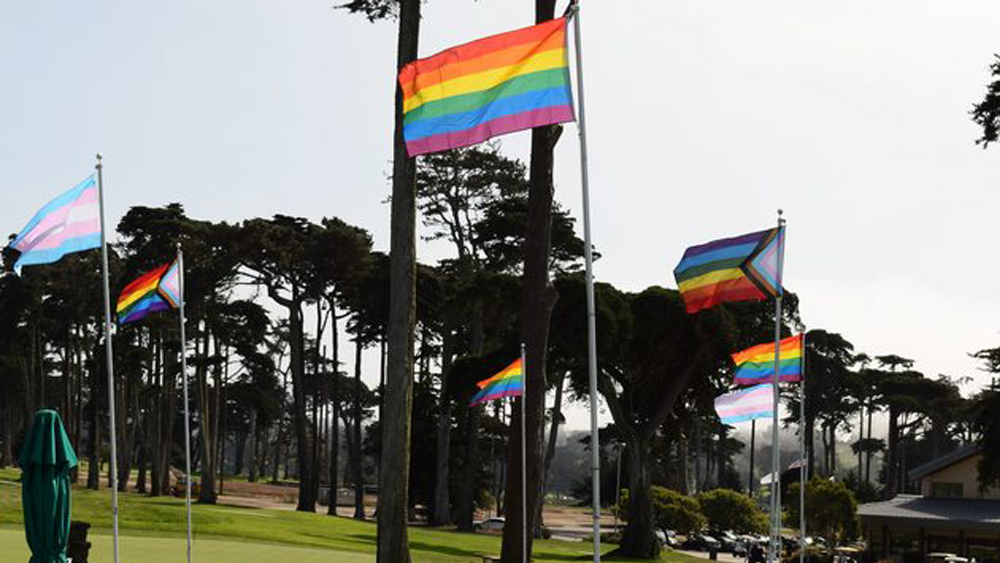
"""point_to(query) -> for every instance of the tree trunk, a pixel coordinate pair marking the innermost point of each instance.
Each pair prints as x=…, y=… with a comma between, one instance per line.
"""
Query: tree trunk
x=470, y=470
x=357, y=458
x=131, y=397
x=207, y=494
x=94, y=465
x=318, y=399
x=252, y=438
x=720, y=464
x=394, y=473
x=685, y=467
x=538, y=297
x=7, y=450
x=868, y=453
x=638, y=539
x=307, y=498
x=441, y=515
x=891, y=482
x=810, y=441
x=550, y=453
x=335, y=419
x=171, y=372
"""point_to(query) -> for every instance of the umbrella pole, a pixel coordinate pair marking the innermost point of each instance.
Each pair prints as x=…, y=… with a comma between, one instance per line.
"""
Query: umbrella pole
x=113, y=477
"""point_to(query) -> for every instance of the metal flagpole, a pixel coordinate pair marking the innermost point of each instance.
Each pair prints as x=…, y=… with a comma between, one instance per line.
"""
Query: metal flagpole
x=524, y=462
x=774, y=554
x=108, y=347
x=753, y=435
x=595, y=454
x=187, y=414
x=802, y=454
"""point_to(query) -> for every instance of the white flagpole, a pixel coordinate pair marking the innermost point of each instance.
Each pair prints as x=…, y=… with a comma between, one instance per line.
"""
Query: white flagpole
x=802, y=454
x=595, y=451
x=184, y=379
x=524, y=463
x=108, y=346
x=775, y=552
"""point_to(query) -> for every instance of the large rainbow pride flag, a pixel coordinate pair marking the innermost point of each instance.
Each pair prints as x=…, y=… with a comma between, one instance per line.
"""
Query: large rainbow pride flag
x=743, y=268
x=746, y=404
x=756, y=364
x=156, y=290
x=69, y=223
x=508, y=383
x=490, y=87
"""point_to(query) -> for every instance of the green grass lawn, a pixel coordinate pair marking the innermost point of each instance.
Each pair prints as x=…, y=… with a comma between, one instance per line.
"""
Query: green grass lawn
x=152, y=531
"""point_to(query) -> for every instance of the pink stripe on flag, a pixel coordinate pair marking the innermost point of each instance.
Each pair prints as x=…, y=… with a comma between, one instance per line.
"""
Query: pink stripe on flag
x=57, y=217
x=499, y=126
x=70, y=230
x=744, y=409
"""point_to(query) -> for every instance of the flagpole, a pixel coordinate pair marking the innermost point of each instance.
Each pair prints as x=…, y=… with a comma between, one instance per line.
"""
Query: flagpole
x=774, y=554
x=108, y=347
x=802, y=454
x=524, y=463
x=753, y=435
x=184, y=379
x=595, y=455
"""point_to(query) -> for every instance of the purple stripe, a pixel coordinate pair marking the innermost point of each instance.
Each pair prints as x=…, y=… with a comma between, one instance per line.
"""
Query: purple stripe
x=767, y=378
x=143, y=308
x=493, y=128
x=723, y=243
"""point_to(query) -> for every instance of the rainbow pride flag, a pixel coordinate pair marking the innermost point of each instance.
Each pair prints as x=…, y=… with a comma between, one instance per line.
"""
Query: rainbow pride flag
x=756, y=364
x=746, y=404
x=486, y=88
x=156, y=290
x=744, y=268
x=69, y=223
x=508, y=383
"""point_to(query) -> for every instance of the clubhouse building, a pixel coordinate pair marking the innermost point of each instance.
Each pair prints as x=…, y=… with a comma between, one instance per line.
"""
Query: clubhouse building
x=950, y=515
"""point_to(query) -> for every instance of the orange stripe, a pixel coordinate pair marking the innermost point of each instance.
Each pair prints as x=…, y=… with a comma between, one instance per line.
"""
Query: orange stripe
x=705, y=291
x=787, y=345
x=511, y=370
x=453, y=67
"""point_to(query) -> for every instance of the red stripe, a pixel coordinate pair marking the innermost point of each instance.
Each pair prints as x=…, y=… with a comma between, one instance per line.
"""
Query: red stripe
x=143, y=280
x=490, y=129
x=706, y=297
x=479, y=47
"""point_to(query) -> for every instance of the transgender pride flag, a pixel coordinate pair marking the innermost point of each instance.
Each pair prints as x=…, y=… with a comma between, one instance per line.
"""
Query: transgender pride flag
x=69, y=223
x=746, y=404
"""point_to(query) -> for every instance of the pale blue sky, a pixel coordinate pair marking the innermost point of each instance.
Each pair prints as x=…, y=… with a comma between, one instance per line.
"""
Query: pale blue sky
x=704, y=118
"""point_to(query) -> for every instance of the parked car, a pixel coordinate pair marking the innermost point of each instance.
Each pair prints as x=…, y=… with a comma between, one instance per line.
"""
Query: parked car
x=727, y=540
x=702, y=542
x=661, y=536
x=488, y=525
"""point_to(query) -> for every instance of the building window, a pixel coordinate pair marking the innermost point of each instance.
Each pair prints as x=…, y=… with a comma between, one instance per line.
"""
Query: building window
x=947, y=490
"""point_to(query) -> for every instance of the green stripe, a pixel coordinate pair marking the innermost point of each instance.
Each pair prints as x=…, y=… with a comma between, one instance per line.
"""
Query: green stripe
x=695, y=271
x=770, y=365
x=541, y=80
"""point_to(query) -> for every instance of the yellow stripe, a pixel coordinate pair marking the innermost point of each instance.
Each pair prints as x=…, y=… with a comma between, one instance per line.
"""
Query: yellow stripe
x=137, y=294
x=714, y=276
x=786, y=354
x=546, y=60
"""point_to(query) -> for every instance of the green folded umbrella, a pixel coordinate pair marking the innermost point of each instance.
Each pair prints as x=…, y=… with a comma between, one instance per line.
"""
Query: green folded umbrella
x=46, y=460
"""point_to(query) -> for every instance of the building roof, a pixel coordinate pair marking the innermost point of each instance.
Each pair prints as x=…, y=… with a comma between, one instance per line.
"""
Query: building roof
x=937, y=464
x=918, y=511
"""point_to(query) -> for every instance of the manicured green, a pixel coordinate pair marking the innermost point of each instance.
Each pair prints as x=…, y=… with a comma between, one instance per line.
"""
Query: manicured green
x=153, y=532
